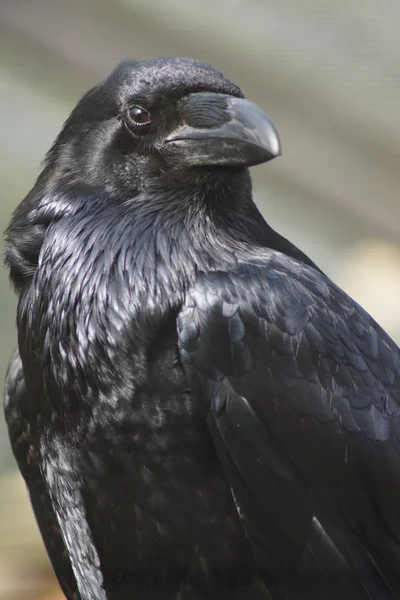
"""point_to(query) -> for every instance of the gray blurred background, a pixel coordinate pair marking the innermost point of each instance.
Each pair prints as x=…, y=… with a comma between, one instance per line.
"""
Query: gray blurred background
x=327, y=72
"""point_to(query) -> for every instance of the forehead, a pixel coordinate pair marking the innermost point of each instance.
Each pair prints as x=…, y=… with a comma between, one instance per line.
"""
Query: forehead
x=173, y=76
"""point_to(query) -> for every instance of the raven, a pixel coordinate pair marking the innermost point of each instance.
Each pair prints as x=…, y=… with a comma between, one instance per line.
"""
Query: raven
x=197, y=410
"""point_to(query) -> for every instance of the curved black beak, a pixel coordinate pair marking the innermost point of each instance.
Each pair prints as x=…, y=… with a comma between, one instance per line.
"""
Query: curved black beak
x=223, y=130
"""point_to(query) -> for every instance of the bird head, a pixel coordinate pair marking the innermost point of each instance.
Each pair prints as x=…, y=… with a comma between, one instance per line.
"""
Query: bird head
x=156, y=118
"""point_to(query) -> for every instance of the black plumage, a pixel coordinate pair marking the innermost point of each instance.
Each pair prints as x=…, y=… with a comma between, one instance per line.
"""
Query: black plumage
x=197, y=410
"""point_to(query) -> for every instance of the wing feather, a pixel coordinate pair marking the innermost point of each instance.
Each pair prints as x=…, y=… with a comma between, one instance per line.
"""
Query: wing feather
x=25, y=451
x=303, y=392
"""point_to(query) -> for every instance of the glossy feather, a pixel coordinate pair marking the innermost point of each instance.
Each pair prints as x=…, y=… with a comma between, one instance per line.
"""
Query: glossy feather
x=197, y=411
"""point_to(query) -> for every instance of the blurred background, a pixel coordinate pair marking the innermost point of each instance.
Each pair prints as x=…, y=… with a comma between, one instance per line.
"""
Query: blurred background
x=328, y=73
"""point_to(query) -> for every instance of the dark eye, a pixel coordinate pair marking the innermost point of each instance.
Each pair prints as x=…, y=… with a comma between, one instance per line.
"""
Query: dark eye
x=138, y=116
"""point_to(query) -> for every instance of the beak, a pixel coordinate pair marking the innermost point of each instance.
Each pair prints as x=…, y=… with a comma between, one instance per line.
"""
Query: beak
x=221, y=130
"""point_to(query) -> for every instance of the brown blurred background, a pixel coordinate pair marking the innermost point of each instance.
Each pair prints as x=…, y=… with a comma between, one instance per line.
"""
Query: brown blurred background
x=328, y=73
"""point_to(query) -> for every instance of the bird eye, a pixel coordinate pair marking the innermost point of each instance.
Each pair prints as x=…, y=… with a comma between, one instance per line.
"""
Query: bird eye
x=139, y=116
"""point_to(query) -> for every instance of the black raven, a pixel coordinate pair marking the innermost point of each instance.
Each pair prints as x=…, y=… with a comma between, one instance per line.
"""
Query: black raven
x=197, y=410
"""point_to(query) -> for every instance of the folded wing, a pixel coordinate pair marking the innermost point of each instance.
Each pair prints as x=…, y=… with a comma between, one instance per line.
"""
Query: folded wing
x=301, y=391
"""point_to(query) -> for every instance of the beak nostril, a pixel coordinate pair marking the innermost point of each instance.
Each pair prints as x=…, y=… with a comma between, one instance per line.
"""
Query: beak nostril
x=205, y=111
x=222, y=130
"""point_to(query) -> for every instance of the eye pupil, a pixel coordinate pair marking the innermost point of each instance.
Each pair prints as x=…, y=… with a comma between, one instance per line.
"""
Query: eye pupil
x=139, y=115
